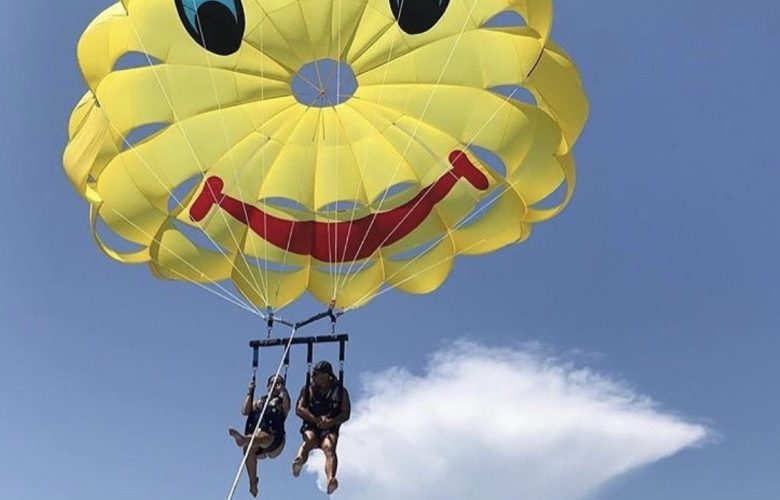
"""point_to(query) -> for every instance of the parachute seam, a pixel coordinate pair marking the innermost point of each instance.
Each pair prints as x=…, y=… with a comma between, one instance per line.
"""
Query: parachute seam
x=281, y=35
x=353, y=36
x=382, y=32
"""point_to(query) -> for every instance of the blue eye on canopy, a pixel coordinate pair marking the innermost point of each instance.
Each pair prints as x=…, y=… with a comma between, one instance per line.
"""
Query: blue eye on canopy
x=216, y=25
x=191, y=8
x=399, y=2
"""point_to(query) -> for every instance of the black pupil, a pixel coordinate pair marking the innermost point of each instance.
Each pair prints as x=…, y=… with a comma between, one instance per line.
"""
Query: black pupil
x=217, y=29
x=418, y=16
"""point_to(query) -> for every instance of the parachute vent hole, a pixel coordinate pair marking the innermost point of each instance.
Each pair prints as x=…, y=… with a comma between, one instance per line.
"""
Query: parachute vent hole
x=132, y=60
x=197, y=237
x=516, y=93
x=114, y=240
x=552, y=200
x=324, y=83
x=182, y=193
x=415, y=252
x=505, y=19
x=142, y=133
x=489, y=159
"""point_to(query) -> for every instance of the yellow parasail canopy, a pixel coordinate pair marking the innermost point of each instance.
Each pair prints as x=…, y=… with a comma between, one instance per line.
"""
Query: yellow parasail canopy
x=336, y=146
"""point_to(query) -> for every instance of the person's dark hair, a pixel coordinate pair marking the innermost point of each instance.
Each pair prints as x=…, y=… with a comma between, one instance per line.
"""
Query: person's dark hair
x=324, y=367
x=272, y=377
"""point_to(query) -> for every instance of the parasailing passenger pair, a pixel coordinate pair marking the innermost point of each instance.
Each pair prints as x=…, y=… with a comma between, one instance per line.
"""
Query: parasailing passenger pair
x=323, y=405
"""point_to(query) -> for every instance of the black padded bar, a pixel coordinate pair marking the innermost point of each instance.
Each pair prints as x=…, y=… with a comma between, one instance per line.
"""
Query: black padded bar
x=309, y=353
x=342, y=349
x=342, y=355
x=309, y=359
x=321, y=339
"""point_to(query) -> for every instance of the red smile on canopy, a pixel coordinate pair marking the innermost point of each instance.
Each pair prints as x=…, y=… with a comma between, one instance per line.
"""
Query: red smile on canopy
x=341, y=241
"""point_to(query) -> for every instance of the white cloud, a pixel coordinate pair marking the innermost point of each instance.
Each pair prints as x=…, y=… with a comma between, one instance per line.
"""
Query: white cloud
x=498, y=424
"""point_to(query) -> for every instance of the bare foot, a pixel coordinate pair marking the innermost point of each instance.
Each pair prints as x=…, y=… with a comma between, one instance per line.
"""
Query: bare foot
x=253, y=487
x=297, y=466
x=241, y=440
x=333, y=484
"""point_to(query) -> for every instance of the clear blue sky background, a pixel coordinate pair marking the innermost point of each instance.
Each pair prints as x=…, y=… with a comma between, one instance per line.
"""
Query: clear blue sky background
x=118, y=386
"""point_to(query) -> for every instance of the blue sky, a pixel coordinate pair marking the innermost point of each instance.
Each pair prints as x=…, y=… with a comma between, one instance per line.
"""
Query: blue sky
x=662, y=274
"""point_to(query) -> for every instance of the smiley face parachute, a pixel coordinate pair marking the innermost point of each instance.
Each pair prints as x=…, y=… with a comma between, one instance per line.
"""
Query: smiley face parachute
x=342, y=147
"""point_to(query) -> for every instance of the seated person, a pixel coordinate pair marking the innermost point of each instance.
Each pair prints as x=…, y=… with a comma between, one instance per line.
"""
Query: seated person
x=323, y=406
x=269, y=435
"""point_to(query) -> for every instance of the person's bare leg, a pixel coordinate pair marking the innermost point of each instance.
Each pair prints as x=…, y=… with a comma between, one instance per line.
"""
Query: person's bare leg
x=262, y=439
x=331, y=461
x=241, y=440
x=251, y=471
x=310, y=442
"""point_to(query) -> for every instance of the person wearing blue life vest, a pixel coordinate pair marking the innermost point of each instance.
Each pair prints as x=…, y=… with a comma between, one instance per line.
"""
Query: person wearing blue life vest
x=265, y=420
x=323, y=406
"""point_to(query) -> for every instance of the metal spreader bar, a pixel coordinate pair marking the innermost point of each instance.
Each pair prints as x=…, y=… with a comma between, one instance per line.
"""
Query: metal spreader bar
x=320, y=339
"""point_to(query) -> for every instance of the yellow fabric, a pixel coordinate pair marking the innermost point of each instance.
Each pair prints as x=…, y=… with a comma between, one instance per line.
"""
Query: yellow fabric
x=419, y=98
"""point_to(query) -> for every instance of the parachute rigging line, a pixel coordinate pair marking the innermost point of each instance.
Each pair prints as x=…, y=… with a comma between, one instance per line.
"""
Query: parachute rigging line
x=290, y=236
x=192, y=151
x=241, y=466
x=457, y=226
x=235, y=299
x=386, y=66
x=229, y=296
x=408, y=145
x=229, y=150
